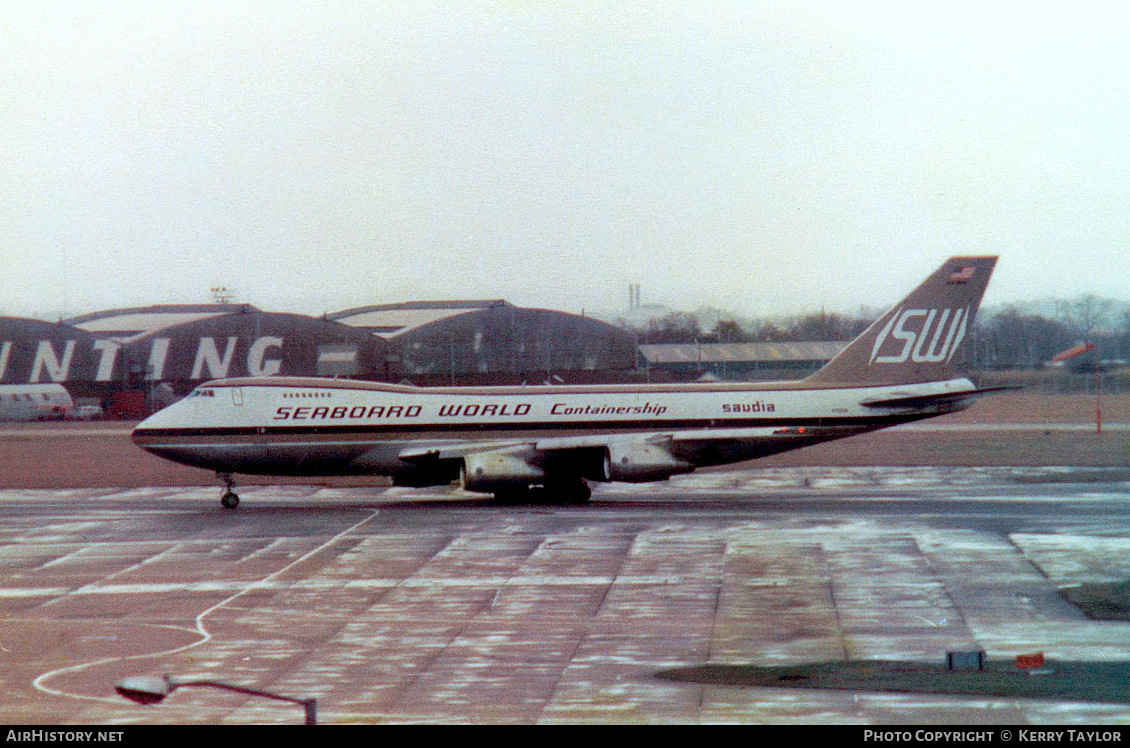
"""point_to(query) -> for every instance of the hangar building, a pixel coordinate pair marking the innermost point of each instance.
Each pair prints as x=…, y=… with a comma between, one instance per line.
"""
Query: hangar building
x=452, y=342
x=134, y=353
x=37, y=352
x=184, y=345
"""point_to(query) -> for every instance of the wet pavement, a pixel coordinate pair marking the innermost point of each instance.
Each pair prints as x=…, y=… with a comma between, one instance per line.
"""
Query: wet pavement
x=431, y=605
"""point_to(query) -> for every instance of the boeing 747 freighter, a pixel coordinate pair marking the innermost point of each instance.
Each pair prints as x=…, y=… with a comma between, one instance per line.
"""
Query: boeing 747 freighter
x=551, y=441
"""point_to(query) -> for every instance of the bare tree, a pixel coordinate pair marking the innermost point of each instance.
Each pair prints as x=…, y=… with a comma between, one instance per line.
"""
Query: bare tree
x=1023, y=340
x=824, y=326
x=1085, y=314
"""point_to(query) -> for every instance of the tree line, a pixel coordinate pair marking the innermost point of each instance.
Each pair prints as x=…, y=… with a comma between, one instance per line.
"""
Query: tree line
x=1015, y=336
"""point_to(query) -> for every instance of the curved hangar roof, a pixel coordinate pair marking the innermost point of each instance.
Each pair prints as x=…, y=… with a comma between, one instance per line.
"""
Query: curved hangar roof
x=390, y=320
x=492, y=336
x=195, y=342
x=125, y=324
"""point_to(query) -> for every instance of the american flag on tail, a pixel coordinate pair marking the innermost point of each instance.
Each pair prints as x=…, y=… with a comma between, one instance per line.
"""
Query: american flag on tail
x=962, y=274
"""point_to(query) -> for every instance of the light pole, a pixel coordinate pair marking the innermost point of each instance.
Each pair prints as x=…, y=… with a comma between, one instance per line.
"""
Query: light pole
x=149, y=689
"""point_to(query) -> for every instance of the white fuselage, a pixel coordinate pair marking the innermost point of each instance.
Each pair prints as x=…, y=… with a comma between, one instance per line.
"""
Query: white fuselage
x=509, y=440
x=318, y=427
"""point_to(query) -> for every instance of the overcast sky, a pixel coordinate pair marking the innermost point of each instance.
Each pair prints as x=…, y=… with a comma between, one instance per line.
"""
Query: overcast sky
x=765, y=158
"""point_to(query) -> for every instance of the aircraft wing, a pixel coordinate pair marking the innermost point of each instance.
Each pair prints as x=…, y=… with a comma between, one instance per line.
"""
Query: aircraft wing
x=457, y=450
x=690, y=448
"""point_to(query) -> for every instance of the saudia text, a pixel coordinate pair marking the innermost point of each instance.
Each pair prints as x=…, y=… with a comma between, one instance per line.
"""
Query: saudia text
x=757, y=406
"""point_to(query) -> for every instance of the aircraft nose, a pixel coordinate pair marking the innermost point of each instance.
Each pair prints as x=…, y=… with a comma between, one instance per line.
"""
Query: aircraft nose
x=143, y=432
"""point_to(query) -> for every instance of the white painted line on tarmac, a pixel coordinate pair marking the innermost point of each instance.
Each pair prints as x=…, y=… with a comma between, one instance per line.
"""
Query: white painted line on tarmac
x=205, y=636
x=310, y=585
x=955, y=427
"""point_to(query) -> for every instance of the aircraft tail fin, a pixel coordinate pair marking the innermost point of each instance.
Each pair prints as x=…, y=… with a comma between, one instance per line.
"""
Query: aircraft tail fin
x=920, y=338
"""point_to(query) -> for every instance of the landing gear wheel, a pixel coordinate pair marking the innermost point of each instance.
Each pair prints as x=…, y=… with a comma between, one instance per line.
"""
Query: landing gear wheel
x=228, y=498
x=577, y=492
x=581, y=494
x=512, y=496
x=568, y=492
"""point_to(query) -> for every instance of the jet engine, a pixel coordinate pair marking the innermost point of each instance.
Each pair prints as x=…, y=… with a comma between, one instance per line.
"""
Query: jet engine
x=491, y=472
x=641, y=462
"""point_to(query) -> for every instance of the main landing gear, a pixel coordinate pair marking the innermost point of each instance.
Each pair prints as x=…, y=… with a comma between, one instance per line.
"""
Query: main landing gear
x=572, y=492
x=558, y=493
x=228, y=499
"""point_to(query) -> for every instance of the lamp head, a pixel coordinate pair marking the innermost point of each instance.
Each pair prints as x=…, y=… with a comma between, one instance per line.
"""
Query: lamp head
x=144, y=689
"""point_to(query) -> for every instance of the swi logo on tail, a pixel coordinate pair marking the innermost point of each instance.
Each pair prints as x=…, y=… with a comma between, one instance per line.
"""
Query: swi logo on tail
x=920, y=335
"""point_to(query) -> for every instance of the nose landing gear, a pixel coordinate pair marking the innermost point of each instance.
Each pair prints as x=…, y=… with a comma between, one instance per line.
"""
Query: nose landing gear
x=228, y=498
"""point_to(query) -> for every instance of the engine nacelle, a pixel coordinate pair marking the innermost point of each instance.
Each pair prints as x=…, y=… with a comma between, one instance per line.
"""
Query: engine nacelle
x=490, y=472
x=640, y=462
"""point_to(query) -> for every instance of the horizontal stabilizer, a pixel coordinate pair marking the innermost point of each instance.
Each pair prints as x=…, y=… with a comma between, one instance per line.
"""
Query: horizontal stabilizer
x=925, y=401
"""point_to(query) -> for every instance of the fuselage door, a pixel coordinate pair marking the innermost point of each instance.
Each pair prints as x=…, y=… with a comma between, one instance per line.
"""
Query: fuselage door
x=237, y=396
